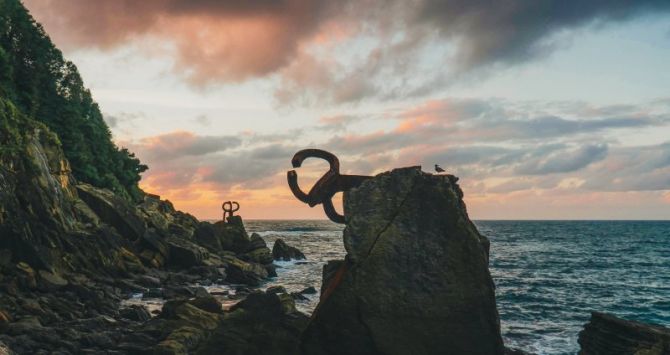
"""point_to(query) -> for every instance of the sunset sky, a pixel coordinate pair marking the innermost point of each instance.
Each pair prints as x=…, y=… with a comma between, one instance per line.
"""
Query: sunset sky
x=544, y=109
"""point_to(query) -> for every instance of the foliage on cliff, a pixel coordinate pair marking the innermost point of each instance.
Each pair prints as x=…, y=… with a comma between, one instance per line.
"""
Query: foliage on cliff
x=43, y=86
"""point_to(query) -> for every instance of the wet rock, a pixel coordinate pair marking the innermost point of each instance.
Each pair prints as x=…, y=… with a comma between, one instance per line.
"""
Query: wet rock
x=50, y=282
x=153, y=293
x=239, y=271
x=260, y=324
x=26, y=275
x=299, y=296
x=148, y=281
x=416, y=276
x=135, y=312
x=283, y=251
x=233, y=236
x=276, y=289
x=184, y=254
x=209, y=236
x=309, y=291
x=258, y=251
x=607, y=334
x=113, y=210
x=187, y=326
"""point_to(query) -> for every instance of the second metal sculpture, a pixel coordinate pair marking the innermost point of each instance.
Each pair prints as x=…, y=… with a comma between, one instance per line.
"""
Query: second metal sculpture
x=229, y=208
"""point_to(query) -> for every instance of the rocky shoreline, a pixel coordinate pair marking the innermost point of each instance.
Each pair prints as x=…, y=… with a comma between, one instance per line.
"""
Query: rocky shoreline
x=71, y=255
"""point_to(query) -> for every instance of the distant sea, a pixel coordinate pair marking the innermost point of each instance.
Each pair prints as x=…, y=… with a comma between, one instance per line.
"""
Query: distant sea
x=549, y=275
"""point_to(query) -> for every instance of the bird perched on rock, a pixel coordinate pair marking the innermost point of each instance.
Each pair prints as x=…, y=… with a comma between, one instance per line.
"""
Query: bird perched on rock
x=438, y=169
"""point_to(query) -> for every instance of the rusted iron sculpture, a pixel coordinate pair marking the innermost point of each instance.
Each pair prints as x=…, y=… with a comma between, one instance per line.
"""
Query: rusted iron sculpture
x=229, y=208
x=327, y=186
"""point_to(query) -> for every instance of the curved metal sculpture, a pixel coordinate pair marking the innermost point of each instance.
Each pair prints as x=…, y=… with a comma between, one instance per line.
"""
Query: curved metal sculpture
x=229, y=208
x=327, y=186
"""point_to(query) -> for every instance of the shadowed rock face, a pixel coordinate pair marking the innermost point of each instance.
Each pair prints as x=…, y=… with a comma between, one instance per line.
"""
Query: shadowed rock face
x=416, y=276
x=606, y=334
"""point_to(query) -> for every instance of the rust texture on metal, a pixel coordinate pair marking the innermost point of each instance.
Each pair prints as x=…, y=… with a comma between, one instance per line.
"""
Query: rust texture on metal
x=327, y=186
x=229, y=208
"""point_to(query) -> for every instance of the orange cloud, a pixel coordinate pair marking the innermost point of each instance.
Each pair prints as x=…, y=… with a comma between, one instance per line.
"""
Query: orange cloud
x=213, y=40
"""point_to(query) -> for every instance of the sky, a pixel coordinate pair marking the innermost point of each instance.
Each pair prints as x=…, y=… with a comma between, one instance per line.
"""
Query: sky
x=544, y=109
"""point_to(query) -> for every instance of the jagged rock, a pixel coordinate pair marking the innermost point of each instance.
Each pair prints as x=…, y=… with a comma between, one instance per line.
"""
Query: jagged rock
x=49, y=281
x=606, y=334
x=233, y=235
x=113, y=210
x=416, y=276
x=183, y=253
x=258, y=251
x=187, y=326
x=260, y=324
x=276, y=289
x=308, y=291
x=239, y=271
x=283, y=251
x=207, y=235
x=135, y=312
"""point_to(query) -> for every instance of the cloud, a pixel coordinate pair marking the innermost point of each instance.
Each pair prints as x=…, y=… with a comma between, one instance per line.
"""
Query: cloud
x=334, y=52
x=503, y=151
x=181, y=144
x=213, y=40
x=562, y=161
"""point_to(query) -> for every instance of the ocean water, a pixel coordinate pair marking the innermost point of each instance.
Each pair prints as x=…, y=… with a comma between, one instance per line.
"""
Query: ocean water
x=549, y=275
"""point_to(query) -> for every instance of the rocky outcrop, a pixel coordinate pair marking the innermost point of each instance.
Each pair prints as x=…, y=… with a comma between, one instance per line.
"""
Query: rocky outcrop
x=285, y=252
x=606, y=334
x=415, y=279
x=70, y=253
x=260, y=324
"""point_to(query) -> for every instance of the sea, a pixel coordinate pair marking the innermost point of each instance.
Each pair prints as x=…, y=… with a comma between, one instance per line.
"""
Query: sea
x=549, y=275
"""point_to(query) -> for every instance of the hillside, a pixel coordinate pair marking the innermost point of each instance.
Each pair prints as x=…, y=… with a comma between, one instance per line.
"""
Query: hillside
x=42, y=85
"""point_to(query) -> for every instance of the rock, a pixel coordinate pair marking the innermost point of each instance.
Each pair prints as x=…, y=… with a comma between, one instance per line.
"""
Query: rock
x=233, y=236
x=209, y=236
x=50, y=282
x=148, y=281
x=135, y=312
x=26, y=275
x=606, y=334
x=308, y=291
x=276, y=289
x=153, y=293
x=299, y=296
x=282, y=251
x=416, y=276
x=258, y=251
x=260, y=324
x=5, y=258
x=5, y=318
x=184, y=254
x=239, y=271
x=113, y=210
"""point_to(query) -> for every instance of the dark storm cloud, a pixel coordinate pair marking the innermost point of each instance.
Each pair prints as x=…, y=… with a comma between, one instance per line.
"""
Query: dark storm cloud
x=510, y=31
x=230, y=41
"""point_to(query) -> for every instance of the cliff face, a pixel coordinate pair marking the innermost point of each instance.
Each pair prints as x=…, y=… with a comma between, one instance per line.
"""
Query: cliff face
x=70, y=252
x=416, y=276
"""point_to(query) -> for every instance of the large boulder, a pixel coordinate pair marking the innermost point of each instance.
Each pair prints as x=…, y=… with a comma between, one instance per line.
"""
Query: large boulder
x=113, y=210
x=258, y=251
x=415, y=279
x=260, y=324
x=233, y=236
x=606, y=334
x=185, y=254
x=285, y=252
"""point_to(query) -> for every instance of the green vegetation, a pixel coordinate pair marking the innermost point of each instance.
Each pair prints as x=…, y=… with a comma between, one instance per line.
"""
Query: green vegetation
x=42, y=85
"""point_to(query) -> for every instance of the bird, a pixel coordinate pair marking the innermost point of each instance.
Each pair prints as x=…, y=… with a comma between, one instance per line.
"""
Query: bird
x=438, y=169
